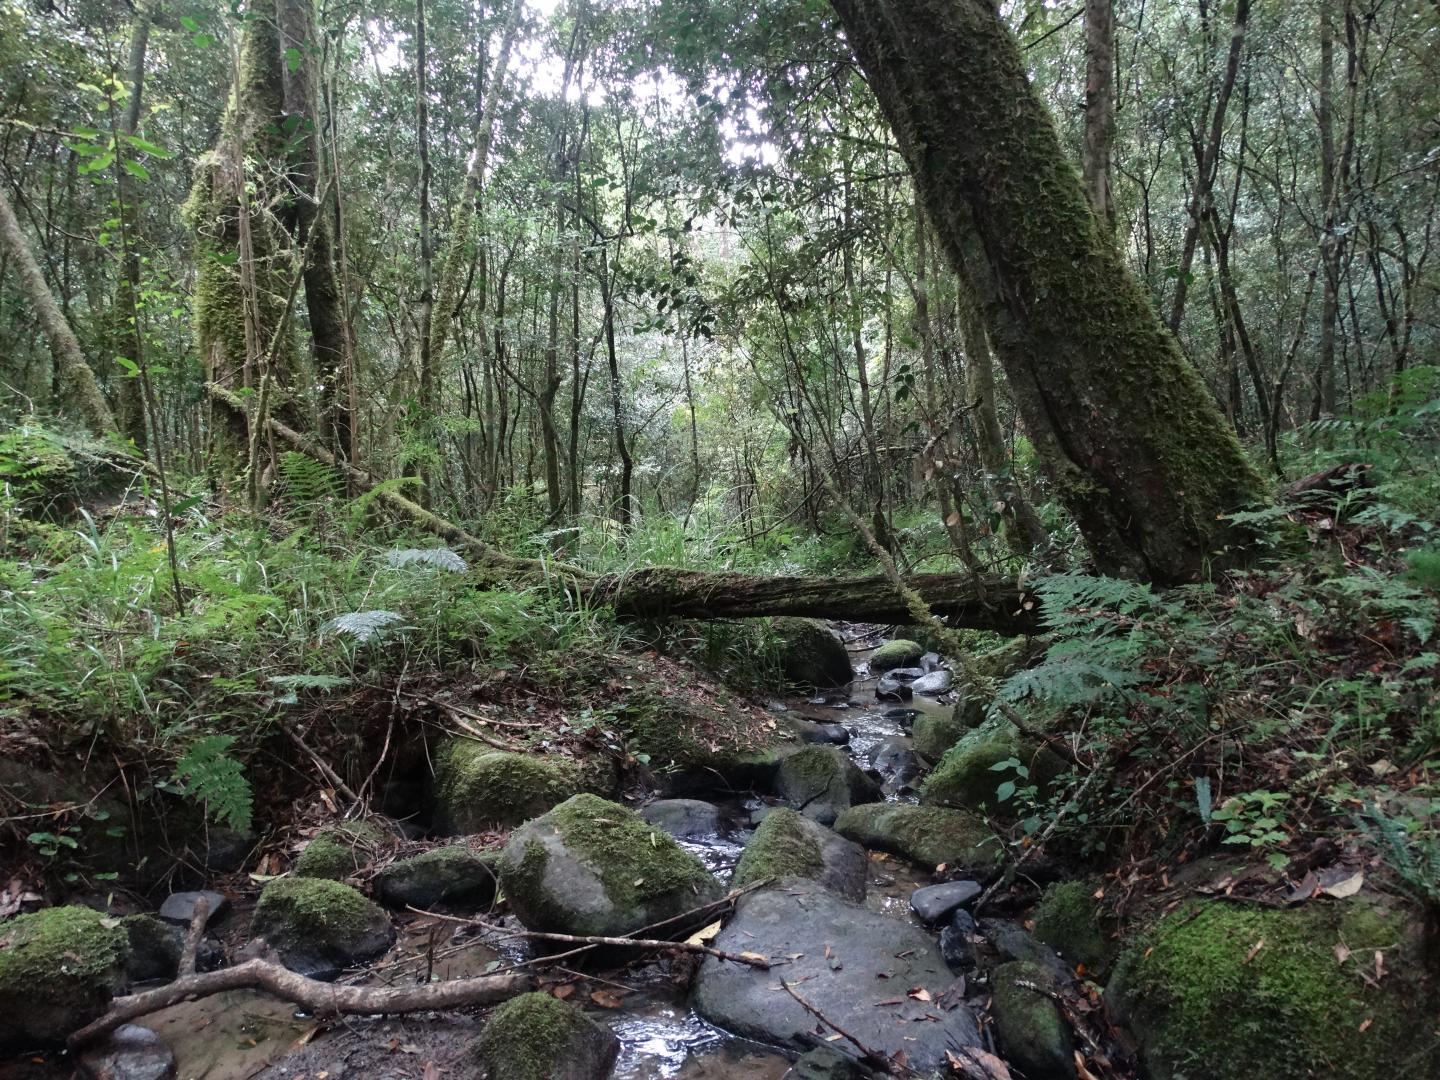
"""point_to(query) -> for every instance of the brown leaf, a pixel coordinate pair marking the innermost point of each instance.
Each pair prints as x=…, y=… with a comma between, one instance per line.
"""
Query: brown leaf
x=605, y=999
x=919, y=993
x=563, y=991
x=1254, y=950
x=430, y=1072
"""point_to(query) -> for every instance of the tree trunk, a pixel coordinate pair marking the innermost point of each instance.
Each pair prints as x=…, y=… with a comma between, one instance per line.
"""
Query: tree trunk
x=1099, y=107
x=1134, y=442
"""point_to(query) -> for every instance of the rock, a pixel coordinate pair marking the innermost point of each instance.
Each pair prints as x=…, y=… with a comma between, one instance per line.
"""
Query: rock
x=452, y=875
x=1029, y=1026
x=888, y=689
x=537, y=1037
x=839, y=948
x=684, y=819
x=926, y=835
x=895, y=654
x=1011, y=941
x=179, y=907
x=221, y=850
x=477, y=788
x=930, y=662
x=966, y=777
x=934, y=684
x=959, y=941
x=155, y=948
x=1072, y=922
x=318, y=926
x=821, y=781
x=59, y=967
x=1195, y=988
x=827, y=1063
x=810, y=654
x=906, y=674
x=789, y=845
x=130, y=1052
x=896, y=764
x=935, y=902
x=339, y=852
x=810, y=731
x=593, y=867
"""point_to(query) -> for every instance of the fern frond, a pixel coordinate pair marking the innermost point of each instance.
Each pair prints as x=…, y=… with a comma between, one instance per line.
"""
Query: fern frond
x=441, y=557
x=361, y=625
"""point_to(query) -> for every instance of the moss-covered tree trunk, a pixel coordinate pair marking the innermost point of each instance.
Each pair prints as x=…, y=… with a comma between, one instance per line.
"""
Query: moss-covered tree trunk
x=1135, y=444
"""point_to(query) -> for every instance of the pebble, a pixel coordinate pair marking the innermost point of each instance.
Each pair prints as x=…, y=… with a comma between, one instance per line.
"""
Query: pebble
x=131, y=1052
x=934, y=902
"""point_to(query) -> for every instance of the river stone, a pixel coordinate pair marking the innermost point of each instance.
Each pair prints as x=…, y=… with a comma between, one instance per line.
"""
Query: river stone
x=593, y=867
x=936, y=732
x=930, y=662
x=959, y=940
x=789, y=845
x=179, y=907
x=810, y=654
x=1013, y=942
x=822, y=781
x=888, y=689
x=905, y=674
x=1029, y=1025
x=477, y=788
x=967, y=779
x=934, y=902
x=318, y=926
x=537, y=1037
x=934, y=684
x=926, y=835
x=339, y=852
x=827, y=1063
x=895, y=654
x=684, y=819
x=452, y=875
x=59, y=968
x=838, y=949
x=131, y=1052
x=155, y=948
x=811, y=731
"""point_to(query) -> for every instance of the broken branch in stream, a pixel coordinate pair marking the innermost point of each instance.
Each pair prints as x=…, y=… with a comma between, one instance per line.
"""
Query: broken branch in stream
x=315, y=996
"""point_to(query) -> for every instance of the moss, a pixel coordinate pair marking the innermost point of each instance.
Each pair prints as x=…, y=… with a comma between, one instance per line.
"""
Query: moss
x=154, y=947
x=935, y=733
x=823, y=775
x=535, y=1037
x=319, y=917
x=1029, y=1026
x=339, y=852
x=452, y=874
x=896, y=654
x=781, y=847
x=810, y=655
x=966, y=777
x=1233, y=992
x=1070, y=920
x=58, y=970
x=926, y=835
x=478, y=788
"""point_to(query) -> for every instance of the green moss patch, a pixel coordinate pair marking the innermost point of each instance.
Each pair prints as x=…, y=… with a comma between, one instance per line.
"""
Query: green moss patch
x=781, y=847
x=478, y=788
x=1071, y=921
x=966, y=777
x=58, y=970
x=339, y=852
x=536, y=1037
x=896, y=654
x=926, y=835
x=318, y=924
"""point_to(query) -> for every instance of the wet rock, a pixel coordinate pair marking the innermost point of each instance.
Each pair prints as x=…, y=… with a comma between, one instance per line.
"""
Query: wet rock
x=1071, y=921
x=895, y=654
x=155, y=948
x=593, y=867
x=926, y=835
x=789, y=845
x=934, y=684
x=179, y=907
x=827, y=1063
x=931, y=662
x=59, y=967
x=840, y=947
x=477, y=788
x=905, y=674
x=822, y=781
x=130, y=1052
x=684, y=819
x=959, y=942
x=452, y=875
x=904, y=717
x=936, y=733
x=317, y=926
x=967, y=778
x=811, y=732
x=888, y=689
x=896, y=764
x=1029, y=1026
x=1011, y=941
x=339, y=852
x=810, y=654
x=935, y=902
x=537, y=1037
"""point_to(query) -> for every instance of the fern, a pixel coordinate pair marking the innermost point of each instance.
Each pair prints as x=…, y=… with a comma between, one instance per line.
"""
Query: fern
x=441, y=557
x=210, y=775
x=1415, y=859
x=307, y=480
x=324, y=683
x=361, y=625
x=362, y=503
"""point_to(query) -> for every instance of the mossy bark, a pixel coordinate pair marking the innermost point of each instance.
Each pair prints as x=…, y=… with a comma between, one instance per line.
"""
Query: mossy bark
x=1137, y=448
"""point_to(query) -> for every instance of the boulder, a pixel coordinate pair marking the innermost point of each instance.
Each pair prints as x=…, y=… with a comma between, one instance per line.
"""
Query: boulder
x=896, y=654
x=318, y=926
x=789, y=845
x=179, y=907
x=837, y=948
x=1072, y=922
x=1029, y=1026
x=537, y=1037
x=59, y=968
x=1240, y=991
x=452, y=875
x=339, y=852
x=935, y=902
x=154, y=948
x=130, y=1052
x=684, y=819
x=933, y=684
x=811, y=731
x=926, y=835
x=936, y=732
x=890, y=689
x=822, y=781
x=477, y=788
x=906, y=674
x=810, y=655
x=960, y=940
x=1009, y=940
x=967, y=779
x=592, y=867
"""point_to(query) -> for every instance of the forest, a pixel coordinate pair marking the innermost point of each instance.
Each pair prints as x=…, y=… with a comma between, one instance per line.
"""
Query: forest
x=565, y=539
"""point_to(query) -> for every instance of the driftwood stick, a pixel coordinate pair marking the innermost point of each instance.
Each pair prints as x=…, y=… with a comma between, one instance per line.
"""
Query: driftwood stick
x=870, y=1057
x=198, y=919
x=316, y=996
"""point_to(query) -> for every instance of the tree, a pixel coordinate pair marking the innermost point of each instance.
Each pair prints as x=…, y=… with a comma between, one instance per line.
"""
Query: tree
x=1133, y=441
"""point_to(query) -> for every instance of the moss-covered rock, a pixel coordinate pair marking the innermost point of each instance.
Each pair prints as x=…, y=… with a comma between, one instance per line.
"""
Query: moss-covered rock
x=339, y=852
x=154, y=948
x=822, y=781
x=58, y=970
x=1231, y=992
x=318, y=925
x=966, y=777
x=536, y=1037
x=1029, y=1026
x=789, y=845
x=452, y=875
x=590, y=866
x=810, y=655
x=1074, y=923
x=926, y=835
x=896, y=654
x=936, y=732
x=477, y=788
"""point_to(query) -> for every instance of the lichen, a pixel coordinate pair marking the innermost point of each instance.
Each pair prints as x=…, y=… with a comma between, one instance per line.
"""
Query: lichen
x=339, y=852
x=1071, y=920
x=926, y=835
x=781, y=847
x=896, y=654
x=533, y=1037
x=58, y=970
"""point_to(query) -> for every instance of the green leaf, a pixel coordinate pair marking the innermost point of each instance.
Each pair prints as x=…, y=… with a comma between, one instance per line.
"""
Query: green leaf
x=145, y=146
x=131, y=368
x=134, y=168
x=1005, y=790
x=292, y=59
x=1203, y=798
x=187, y=504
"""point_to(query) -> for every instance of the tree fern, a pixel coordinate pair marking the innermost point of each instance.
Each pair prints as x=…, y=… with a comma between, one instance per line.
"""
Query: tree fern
x=361, y=625
x=441, y=557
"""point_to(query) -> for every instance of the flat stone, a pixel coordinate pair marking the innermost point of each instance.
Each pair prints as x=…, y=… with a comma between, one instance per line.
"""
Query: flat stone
x=130, y=1053
x=905, y=674
x=888, y=689
x=934, y=902
x=684, y=819
x=838, y=949
x=179, y=907
x=937, y=682
x=812, y=732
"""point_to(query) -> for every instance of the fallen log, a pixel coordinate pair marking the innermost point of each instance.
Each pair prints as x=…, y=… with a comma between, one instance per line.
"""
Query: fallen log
x=320, y=998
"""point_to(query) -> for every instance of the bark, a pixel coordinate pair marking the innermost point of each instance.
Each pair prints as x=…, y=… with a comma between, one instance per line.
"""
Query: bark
x=130, y=339
x=1135, y=445
x=1330, y=244
x=70, y=363
x=1099, y=107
